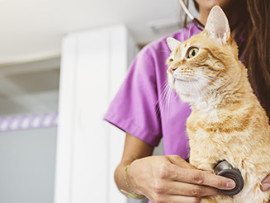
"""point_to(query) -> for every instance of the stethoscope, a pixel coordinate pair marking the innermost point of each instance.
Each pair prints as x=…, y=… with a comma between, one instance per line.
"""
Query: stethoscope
x=193, y=19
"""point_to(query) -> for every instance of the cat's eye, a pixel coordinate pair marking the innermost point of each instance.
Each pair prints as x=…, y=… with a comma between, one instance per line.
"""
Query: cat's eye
x=192, y=51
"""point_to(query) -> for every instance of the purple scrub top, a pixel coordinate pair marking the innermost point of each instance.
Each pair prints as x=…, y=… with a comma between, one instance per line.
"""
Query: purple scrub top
x=144, y=107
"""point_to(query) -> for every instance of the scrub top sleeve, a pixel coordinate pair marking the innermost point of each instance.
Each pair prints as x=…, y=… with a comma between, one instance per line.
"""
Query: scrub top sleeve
x=134, y=108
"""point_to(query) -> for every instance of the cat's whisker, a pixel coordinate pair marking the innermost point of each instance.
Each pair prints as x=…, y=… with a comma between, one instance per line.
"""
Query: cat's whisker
x=161, y=98
x=157, y=109
x=164, y=86
x=164, y=96
x=169, y=99
x=164, y=89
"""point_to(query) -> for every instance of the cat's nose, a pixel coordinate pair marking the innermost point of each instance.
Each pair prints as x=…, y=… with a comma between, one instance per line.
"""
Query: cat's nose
x=172, y=69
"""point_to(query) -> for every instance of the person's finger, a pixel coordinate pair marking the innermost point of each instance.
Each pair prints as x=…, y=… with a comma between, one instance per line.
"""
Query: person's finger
x=199, y=177
x=266, y=184
x=186, y=189
x=177, y=160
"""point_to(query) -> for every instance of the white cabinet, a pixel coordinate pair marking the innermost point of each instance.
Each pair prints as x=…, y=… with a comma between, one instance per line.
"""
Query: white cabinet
x=93, y=66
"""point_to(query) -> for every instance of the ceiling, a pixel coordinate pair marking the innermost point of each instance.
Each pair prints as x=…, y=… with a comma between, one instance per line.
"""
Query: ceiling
x=33, y=29
x=30, y=88
x=31, y=34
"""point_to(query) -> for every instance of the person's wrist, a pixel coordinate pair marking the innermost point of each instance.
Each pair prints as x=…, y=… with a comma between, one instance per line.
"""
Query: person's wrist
x=130, y=193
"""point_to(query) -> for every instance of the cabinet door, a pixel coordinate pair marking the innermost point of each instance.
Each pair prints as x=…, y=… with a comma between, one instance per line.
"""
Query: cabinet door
x=93, y=66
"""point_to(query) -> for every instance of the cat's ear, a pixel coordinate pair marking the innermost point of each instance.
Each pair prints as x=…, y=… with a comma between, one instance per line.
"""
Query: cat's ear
x=217, y=24
x=172, y=43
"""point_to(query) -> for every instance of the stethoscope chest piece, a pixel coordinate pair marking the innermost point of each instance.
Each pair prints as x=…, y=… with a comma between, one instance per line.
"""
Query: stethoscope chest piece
x=223, y=168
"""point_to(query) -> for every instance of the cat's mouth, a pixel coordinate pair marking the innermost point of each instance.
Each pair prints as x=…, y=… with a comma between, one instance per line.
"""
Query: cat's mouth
x=185, y=80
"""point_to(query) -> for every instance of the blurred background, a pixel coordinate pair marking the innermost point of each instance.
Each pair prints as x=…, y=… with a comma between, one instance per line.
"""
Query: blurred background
x=61, y=63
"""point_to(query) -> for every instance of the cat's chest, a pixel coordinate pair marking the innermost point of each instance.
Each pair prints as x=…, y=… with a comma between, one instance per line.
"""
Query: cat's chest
x=219, y=128
x=213, y=126
x=203, y=121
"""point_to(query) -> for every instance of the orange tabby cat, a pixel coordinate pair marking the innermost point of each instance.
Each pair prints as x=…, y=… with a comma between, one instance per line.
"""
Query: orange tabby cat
x=227, y=121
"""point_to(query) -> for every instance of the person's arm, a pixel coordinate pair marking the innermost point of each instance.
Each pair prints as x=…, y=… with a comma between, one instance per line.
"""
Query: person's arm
x=134, y=149
x=165, y=178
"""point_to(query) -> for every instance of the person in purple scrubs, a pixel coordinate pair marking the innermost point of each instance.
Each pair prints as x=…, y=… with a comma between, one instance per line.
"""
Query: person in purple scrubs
x=147, y=112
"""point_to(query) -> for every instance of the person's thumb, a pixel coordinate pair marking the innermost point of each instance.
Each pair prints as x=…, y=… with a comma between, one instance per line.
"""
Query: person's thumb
x=179, y=161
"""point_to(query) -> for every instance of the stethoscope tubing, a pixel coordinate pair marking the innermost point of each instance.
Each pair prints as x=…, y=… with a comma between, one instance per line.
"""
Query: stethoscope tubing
x=193, y=19
x=183, y=5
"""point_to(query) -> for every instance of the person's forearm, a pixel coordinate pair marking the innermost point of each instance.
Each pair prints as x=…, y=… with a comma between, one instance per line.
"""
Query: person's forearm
x=119, y=176
x=134, y=149
x=121, y=180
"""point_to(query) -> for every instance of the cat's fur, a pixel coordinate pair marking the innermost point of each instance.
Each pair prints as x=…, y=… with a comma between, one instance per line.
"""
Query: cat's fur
x=227, y=121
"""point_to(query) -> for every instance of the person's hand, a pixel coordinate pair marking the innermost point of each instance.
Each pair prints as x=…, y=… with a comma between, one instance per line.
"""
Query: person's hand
x=266, y=184
x=172, y=179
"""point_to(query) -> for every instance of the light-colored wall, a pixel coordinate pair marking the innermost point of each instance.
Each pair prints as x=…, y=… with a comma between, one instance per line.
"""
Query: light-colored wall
x=27, y=166
x=94, y=64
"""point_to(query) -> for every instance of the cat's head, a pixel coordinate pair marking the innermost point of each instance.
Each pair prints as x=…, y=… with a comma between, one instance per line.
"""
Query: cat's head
x=206, y=62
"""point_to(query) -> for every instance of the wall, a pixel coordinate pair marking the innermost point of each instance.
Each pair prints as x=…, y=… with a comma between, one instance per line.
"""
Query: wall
x=94, y=64
x=27, y=166
x=28, y=120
